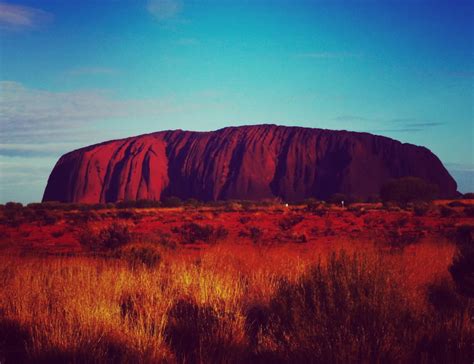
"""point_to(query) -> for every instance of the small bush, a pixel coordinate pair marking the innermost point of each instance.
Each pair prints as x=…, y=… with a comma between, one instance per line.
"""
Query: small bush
x=357, y=210
x=13, y=214
x=140, y=256
x=421, y=208
x=253, y=232
x=299, y=238
x=443, y=297
x=462, y=267
x=468, y=196
x=46, y=217
x=464, y=235
x=126, y=214
x=192, y=233
x=391, y=206
x=82, y=217
x=192, y=202
x=401, y=222
x=407, y=189
x=446, y=211
x=57, y=234
x=111, y=237
x=400, y=239
x=456, y=204
x=257, y=321
x=348, y=309
x=147, y=204
x=290, y=221
x=191, y=331
x=171, y=201
x=13, y=206
x=322, y=211
x=311, y=204
x=469, y=211
x=244, y=219
x=135, y=204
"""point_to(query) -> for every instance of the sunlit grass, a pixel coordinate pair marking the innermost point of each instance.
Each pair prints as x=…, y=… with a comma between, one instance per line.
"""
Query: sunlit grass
x=95, y=309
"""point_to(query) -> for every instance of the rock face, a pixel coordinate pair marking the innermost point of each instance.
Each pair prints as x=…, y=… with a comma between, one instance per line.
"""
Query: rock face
x=248, y=162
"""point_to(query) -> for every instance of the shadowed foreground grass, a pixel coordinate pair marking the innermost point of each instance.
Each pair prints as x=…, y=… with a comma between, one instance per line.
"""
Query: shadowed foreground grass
x=236, y=304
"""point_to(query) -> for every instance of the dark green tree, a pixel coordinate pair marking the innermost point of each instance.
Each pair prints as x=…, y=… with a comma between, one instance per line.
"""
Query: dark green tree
x=408, y=189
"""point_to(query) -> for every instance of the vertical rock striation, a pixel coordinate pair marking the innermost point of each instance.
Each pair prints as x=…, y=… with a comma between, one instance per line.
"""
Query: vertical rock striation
x=248, y=162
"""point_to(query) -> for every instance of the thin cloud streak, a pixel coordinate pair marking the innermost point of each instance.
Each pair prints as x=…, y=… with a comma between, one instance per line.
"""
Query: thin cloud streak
x=43, y=116
x=401, y=130
x=16, y=17
x=36, y=110
x=403, y=125
x=164, y=9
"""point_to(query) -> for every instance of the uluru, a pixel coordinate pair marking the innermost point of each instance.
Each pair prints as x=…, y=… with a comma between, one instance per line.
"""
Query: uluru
x=246, y=162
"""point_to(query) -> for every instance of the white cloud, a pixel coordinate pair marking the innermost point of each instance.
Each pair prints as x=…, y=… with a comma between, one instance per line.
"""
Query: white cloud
x=35, y=111
x=164, y=9
x=16, y=17
x=39, y=116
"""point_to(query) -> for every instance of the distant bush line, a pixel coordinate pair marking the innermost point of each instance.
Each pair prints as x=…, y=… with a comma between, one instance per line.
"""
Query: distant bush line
x=398, y=192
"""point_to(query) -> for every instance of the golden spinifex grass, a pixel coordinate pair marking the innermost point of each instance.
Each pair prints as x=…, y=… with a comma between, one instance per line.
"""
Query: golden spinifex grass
x=235, y=303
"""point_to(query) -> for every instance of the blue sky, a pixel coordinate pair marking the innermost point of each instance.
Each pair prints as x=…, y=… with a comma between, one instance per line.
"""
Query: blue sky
x=73, y=73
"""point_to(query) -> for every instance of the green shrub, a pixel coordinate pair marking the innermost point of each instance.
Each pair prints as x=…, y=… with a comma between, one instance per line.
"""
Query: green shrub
x=147, y=204
x=407, y=189
x=57, y=234
x=469, y=211
x=345, y=311
x=357, y=210
x=443, y=297
x=46, y=217
x=192, y=233
x=255, y=233
x=111, y=237
x=462, y=267
x=446, y=211
x=311, y=204
x=244, y=219
x=13, y=214
x=140, y=255
x=290, y=221
x=456, y=204
x=171, y=201
x=464, y=235
x=468, y=196
x=400, y=239
x=126, y=214
x=421, y=208
x=192, y=202
x=192, y=332
x=13, y=206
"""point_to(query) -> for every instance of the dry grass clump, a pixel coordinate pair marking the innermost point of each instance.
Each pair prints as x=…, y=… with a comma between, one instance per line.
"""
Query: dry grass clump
x=232, y=303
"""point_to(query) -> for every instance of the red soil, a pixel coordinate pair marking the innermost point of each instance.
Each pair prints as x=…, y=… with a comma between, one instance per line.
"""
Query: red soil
x=275, y=225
